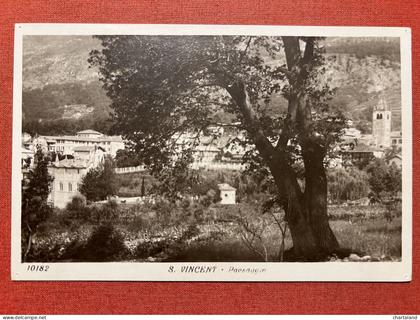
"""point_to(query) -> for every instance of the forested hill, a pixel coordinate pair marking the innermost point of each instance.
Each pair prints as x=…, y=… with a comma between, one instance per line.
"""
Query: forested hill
x=62, y=94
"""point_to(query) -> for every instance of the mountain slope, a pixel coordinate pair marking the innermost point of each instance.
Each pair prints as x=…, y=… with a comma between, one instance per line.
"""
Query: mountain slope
x=54, y=60
x=363, y=70
x=60, y=87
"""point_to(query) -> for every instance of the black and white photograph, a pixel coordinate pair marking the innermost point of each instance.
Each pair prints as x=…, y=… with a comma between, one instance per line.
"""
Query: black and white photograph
x=211, y=153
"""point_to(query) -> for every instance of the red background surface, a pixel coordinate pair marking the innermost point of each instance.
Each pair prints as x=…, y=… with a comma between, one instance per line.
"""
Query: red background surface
x=262, y=298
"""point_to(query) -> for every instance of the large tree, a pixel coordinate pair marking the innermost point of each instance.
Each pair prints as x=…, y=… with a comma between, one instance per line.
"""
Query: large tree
x=99, y=183
x=35, y=207
x=164, y=86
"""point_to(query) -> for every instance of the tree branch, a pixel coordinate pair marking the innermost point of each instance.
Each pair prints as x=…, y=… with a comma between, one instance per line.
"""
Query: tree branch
x=292, y=51
x=309, y=51
x=238, y=92
x=246, y=49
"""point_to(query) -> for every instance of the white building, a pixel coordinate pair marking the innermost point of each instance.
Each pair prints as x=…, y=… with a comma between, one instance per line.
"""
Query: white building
x=217, y=151
x=396, y=138
x=367, y=139
x=352, y=133
x=68, y=173
x=87, y=138
x=227, y=193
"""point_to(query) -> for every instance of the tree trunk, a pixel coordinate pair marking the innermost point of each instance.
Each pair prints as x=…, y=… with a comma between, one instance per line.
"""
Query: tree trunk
x=306, y=213
x=297, y=217
x=316, y=198
x=29, y=245
x=313, y=151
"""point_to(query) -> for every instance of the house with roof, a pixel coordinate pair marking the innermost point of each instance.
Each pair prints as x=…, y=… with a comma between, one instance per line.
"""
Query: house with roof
x=396, y=139
x=217, y=151
x=360, y=154
x=89, y=134
x=350, y=136
x=366, y=147
x=68, y=173
x=396, y=160
x=66, y=144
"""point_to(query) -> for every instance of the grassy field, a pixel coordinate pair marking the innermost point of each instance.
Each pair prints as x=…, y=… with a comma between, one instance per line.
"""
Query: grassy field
x=129, y=184
x=378, y=237
x=370, y=232
x=179, y=233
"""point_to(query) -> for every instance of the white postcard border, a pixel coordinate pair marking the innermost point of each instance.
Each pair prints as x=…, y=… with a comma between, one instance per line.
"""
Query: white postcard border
x=153, y=271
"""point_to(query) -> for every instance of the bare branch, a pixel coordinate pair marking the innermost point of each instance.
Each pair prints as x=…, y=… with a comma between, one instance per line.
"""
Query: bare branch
x=245, y=50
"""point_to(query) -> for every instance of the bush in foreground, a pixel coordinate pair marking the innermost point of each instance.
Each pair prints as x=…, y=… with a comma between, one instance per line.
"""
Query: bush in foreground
x=105, y=244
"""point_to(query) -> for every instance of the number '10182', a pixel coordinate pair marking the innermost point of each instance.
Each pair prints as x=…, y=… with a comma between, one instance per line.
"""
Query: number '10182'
x=39, y=268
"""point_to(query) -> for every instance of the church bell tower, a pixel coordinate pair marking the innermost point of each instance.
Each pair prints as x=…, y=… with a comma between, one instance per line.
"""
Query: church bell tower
x=381, y=124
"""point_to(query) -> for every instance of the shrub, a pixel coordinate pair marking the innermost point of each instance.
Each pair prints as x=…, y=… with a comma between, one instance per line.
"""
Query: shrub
x=95, y=212
x=105, y=244
x=185, y=204
x=77, y=207
x=350, y=184
x=60, y=220
x=139, y=223
x=74, y=250
x=110, y=209
x=198, y=214
x=191, y=232
x=166, y=212
x=44, y=251
x=169, y=246
x=149, y=249
x=206, y=201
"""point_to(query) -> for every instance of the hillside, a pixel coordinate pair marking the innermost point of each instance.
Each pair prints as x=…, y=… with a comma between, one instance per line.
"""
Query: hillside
x=61, y=93
x=362, y=69
x=56, y=60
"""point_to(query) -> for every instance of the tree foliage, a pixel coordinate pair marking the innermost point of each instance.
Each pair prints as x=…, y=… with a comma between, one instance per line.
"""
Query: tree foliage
x=165, y=87
x=383, y=178
x=125, y=158
x=35, y=207
x=347, y=184
x=99, y=182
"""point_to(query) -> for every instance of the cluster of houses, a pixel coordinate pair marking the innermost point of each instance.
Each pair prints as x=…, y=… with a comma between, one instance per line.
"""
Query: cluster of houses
x=74, y=157
x=216, y=150
x=66, y=144
x=358, y=148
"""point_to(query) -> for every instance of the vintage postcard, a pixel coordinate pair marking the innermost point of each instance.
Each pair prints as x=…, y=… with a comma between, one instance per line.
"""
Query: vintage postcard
x=211, y=153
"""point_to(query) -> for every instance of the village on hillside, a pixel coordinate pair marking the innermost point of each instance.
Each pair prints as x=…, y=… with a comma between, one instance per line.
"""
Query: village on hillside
x=195, y=166
x=75, y=155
